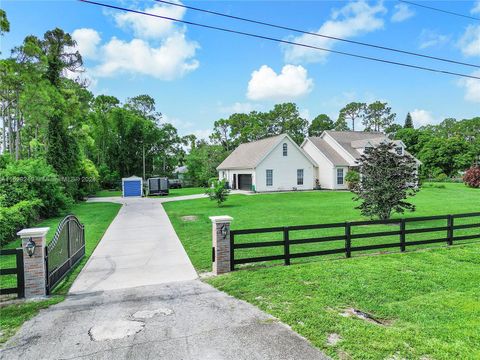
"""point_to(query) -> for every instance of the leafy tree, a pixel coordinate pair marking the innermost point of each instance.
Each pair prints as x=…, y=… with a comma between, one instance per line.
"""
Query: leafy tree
x=341, y=124
x=217, y=191
x=448, y=155
x=4, y=23
x=378, y=116
x=352, y=178
x=221, y=134
x=63, y=154
x=202, y=162
x=387, y=180
x=285, y=119
x=408, y=122
x=145, y=106
x=321, y=123
x=392, y=130
x=472, y=177
x=352, y=112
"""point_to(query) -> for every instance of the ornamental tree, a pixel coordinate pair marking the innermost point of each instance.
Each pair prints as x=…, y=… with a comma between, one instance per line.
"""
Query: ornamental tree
x=386, y=181
x=472, y=177
x=217, y=191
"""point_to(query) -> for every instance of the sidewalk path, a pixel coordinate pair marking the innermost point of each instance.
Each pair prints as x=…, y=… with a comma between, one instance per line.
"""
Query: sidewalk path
x=138, y=297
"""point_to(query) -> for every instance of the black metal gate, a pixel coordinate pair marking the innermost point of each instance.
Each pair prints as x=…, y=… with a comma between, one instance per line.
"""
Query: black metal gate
x=64, y=251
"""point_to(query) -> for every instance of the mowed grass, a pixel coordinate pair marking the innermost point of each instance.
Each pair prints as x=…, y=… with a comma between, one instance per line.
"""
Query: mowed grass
x=304, y=208
x=426, y=301
x=96, y=217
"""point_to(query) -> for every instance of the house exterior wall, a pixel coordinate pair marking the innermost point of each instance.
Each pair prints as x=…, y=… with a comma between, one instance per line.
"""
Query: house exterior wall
x=285, y=169
x=228, y=175
x=340, y=186
x=325, y=168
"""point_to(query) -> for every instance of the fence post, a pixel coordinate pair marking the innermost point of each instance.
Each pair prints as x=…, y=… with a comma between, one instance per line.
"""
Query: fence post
x=402, y=235
x=69, y=243
x=286, y=245
x=20, y=274
x=34, y=268
x=450, y=230
x=348, y=240
x=222, y=251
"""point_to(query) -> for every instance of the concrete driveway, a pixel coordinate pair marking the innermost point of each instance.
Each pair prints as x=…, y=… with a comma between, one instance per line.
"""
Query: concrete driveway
x=140, y=247
x=138, y=297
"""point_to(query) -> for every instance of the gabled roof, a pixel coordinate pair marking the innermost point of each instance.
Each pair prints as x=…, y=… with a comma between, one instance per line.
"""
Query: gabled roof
x=345, y=139
x=352, y=142
x=330, y=153
x=249, y=155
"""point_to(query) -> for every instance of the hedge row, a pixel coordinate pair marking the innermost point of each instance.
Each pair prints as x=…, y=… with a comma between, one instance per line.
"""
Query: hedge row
x=14, y=218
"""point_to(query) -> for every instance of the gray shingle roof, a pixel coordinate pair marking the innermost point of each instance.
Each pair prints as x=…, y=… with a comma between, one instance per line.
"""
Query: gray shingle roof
x=345, y=139
x=328, y=151
x=247, y=156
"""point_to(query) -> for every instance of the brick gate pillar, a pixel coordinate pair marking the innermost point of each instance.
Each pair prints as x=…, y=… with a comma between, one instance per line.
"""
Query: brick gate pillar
x=221, y=244
x=34, y=266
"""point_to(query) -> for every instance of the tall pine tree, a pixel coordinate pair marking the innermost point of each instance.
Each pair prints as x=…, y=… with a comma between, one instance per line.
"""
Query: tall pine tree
x=408, y=122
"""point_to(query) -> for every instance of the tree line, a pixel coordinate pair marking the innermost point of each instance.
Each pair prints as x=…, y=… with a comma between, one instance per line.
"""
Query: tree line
x=59, y=142
x=446, y=149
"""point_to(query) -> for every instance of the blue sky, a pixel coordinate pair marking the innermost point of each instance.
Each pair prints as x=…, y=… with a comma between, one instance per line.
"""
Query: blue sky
x=198, y=75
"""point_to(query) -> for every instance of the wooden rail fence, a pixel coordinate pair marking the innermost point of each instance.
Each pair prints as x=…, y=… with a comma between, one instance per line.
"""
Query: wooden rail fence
x=17, y=270
x=347, y=236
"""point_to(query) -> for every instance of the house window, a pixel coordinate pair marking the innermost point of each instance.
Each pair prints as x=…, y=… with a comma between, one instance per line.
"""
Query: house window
x=300, y=177
x=339, y=176
x=399, y=150
x=285, y=149
x=269, y=177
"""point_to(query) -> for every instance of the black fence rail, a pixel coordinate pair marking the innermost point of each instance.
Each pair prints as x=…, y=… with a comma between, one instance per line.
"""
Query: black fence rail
x=65, y=250
x=17, y=270
x=349, y=237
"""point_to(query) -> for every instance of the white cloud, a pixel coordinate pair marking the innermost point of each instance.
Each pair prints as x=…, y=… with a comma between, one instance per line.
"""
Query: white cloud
x=430, y=38
x=472, y=88
x=470, y=41
x=202, y=134
x=291, y=83
x=181, y=125
x=238, y=107
x=172, y=59
x=305, y=113
x=87, y=42
x=422, y=117
x=354, y=19
x=149, y=27
x=476, y=8
x=158, y=48
x=402, y=13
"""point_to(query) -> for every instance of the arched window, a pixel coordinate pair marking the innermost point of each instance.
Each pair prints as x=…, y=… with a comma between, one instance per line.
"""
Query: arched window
x=285, y=149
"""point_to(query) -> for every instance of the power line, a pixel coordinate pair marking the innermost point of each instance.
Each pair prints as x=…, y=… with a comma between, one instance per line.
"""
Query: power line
x=440, y=10
x=282, y=41
x=316, y=34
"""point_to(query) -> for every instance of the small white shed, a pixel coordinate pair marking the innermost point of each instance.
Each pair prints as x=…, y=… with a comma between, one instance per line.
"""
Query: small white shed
x=132, y=186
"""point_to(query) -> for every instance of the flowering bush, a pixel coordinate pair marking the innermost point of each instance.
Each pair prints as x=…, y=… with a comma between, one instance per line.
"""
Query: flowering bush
x=472, y=177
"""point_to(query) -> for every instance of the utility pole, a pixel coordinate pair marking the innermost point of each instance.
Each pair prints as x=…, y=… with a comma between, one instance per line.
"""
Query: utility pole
x=143, y=148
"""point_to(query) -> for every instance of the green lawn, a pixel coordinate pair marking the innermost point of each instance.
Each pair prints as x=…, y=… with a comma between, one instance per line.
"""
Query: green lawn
x=172, y=192
x=427, y=300
x=302, y=208
x=96, y=217
x=108, y=193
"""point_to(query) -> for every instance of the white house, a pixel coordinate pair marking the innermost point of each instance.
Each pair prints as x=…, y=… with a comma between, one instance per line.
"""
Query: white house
x=336, y=152
x=271, y=164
